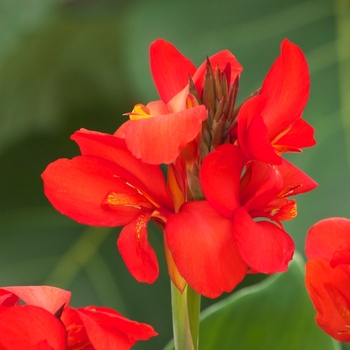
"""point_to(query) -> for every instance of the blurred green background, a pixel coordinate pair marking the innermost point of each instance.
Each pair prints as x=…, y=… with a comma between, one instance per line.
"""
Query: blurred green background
x=71, y=64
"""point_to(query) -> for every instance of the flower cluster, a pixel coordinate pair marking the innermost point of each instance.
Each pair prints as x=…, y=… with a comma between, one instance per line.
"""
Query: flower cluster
x=47, y=322
x=227, y=187
x=328, y=275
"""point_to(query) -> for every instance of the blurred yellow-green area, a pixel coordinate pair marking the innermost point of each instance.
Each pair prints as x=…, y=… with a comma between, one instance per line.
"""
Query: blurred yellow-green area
x=68, y=64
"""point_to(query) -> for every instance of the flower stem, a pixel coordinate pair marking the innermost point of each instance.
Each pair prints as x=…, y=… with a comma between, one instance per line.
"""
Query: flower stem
x=193, y=305
x=185, y=308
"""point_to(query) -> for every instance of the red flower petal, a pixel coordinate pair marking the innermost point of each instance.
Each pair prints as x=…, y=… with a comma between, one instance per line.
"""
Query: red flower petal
x=105, y=329
x=28, y=327
x=263, y=183
x=159, y=139
x=265, y=247
x=341, y=257
x=327, y=237
x=138, y=255
x=295, y=181
x=111, y=319
x=220, y=178
x=77, y=188
x=112, y=148
x=253, y=134
x=287, y=87
x=170, y=69
x=300, y=135
x=203, y=249
x=220, y=60
x=329, y=291
x=47, y=297
x=77, y=337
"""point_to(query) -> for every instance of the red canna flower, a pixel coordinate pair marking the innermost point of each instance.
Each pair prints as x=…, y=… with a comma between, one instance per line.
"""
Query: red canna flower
x=222, y=229
x=225, y=173
x=262, y=191
x=108, y=186
x=46, y=322
x=270, y=122
x=34, y=325
x=213, y=242
x=159, y=131
x=328, y=275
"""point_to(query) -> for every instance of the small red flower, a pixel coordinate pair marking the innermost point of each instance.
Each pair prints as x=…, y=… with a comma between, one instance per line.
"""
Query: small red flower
x=328, y=275
x=158, y=131
x=108, y=186
x=271, y=123
x=46, y=322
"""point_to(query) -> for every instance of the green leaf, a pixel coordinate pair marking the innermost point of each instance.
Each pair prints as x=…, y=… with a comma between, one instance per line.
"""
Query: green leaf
x=276, y=314
x=57, y=65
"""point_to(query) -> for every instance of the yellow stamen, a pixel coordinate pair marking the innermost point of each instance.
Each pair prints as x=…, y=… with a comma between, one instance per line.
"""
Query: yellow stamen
x=140, y=111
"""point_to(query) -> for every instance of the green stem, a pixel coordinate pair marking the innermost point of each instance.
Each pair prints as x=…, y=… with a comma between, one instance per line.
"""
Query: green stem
x=194, y=309
x=185, y=308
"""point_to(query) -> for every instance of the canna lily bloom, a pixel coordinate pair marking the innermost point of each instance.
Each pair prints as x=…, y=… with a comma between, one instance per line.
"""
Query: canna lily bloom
x=34, y=325
x=107, y=186
x=270, y=123
x=222, y=229
x=328, y=275
x=261, y=192
x=157, y=132
x=46, y=322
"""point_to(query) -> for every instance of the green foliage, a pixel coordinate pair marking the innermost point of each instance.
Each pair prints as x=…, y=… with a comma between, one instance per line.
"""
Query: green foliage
x=274, y=314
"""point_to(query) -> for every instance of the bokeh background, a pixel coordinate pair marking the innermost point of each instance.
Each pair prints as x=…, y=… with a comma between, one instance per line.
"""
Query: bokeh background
x=71, y=64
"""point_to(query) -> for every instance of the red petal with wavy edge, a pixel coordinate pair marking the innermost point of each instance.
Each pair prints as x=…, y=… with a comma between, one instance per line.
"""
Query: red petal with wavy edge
x=220, y=60
x=329, y=291
x=105, y=332
x=112, y=148
x=263, y=183
x=265, y=247
x=203, y=249
x=28, y=327
x=295, y=181
x=300, y=135
x=252, y=132
x=114, y=320
x=138, y=255
x=220, y=178
x=287, y=86
x=47, y=297
x=170, y=69
x=160, y=139
x=77, y=188
x=327, y=237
